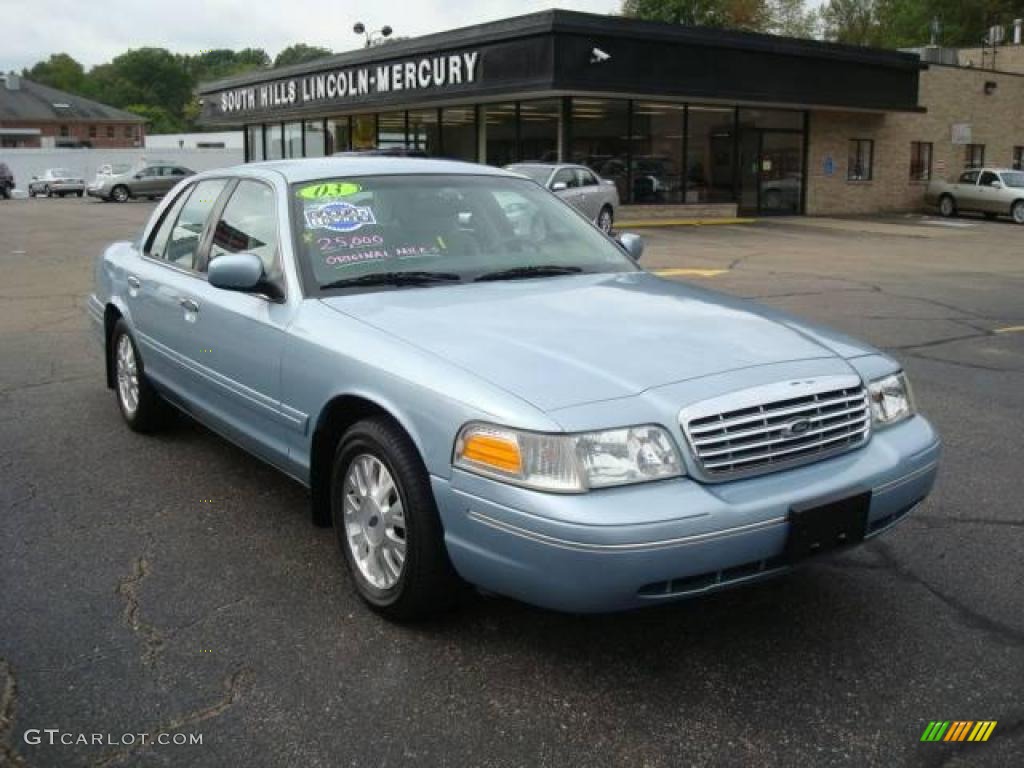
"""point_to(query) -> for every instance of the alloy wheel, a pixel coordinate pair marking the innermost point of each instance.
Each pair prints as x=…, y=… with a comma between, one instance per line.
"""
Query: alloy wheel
x=374, y=521
x=1018, y=212
x=604, y=221
x=127, y=375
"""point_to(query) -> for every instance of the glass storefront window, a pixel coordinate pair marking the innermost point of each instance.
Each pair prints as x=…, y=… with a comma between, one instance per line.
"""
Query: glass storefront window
x=315, y=144
x=600, y=139
x=459, y=133
x=364, y=131
x=539, y=125
x=423, y=131
x=255, y=139
x=710, y=155
x=500, y=129
x=274, y=138
x=657, y=150
x=293, y=139
x=391, y=130
x=338, y=139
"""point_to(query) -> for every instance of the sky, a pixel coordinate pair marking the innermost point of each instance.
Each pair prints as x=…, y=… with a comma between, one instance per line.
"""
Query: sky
x=95, y=31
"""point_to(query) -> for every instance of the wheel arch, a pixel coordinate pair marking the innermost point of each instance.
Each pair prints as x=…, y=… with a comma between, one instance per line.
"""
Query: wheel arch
x=337, y=415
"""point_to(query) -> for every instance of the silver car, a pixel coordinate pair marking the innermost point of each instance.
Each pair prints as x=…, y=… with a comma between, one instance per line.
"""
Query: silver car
x=594, y=197
x=152, y=181
x=56, y=182
x=991, y=191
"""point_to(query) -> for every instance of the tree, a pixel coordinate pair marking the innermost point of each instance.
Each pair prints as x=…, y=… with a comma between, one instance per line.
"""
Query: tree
x=299, y=54
x=158, y=119
x=793, y=19
x=852, y=21
x=734, y=14
x=59, y=71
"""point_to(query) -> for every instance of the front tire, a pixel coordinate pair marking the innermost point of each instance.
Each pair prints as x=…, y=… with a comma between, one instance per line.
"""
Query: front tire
x=605, y=219
x=1017, y=212
x=947, y=206
x=119, y=194
x=387, y=523
x=141, y=405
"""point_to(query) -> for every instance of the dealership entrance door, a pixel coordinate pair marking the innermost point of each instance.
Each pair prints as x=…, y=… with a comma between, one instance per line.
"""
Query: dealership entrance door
x=771, y=162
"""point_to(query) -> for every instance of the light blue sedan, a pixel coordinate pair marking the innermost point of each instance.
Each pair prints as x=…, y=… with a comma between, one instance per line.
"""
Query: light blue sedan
x=480, y=387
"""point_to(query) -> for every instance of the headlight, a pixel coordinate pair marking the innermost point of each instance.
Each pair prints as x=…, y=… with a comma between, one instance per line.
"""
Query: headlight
x=891, y=399
x=568, y=463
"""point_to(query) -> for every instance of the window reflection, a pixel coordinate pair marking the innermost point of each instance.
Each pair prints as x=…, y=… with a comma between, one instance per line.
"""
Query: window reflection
x=658, y=152
x=600, y=141
x=710, y=155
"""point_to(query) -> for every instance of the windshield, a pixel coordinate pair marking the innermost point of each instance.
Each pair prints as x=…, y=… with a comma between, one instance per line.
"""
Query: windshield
x=459, y=228
x=1014, y=179
x=538, y=173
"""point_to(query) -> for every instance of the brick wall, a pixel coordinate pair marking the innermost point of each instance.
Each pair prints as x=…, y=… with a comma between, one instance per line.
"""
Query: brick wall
x=951, y=95
x=1008, y=58
x=83, y=131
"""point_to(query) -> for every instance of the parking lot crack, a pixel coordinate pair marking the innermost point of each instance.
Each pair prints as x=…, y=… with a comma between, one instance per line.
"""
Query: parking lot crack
x=8, y=699
x=236, y=685
x=964, y=612
x=128, y=588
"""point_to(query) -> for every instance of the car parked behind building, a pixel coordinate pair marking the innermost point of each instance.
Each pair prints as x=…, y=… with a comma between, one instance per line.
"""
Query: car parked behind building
x=151, y=181
x=991, y=191
x=56, y=182
x=594, y=197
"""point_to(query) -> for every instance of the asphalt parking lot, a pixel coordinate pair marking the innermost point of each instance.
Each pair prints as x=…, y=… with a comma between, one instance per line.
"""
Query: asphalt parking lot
x=174, y=584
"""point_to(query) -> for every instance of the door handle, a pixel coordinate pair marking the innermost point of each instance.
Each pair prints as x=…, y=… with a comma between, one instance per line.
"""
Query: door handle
x=133, y=282
x=187, y=304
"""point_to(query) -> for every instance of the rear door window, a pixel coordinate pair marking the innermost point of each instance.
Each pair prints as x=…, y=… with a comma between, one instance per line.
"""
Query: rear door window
x=158, y=243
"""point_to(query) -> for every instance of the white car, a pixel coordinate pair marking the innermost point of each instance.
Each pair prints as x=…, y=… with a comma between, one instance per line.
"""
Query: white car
x=56, y=182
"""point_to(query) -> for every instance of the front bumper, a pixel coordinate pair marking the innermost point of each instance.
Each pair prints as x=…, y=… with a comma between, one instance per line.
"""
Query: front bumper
x=101, y=192
x=617, y=549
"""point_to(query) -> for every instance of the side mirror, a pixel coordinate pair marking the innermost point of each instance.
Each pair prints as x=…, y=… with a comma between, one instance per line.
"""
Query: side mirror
x=559, y=186
x=235, y=271
x=632, y=244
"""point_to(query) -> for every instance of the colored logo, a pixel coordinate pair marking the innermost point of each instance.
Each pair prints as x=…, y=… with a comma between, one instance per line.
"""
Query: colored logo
x=958, y=730
x=340, y=217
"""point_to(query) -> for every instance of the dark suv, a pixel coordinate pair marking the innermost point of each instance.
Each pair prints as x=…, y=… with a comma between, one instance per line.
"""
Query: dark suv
x=6, y=181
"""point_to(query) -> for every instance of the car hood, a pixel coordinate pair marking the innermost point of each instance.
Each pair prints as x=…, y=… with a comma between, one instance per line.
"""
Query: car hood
x=558, y=342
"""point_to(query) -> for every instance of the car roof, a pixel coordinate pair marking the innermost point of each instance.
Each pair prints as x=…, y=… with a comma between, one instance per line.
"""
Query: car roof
x=310, y=169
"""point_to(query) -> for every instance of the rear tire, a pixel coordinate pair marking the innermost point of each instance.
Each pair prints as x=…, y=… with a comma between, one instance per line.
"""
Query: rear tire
x=81, y=194
x=605, y=219
x=1017, y=212
x=947, y=206
x=140, y=404
x=382, y=502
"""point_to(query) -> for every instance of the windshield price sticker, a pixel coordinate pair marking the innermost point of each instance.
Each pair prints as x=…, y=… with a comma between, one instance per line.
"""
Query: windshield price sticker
x=347, y=259
x=340, y=217
x=329, y=190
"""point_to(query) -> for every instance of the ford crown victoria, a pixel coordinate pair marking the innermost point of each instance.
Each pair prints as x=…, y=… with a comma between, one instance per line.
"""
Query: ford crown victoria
x=480, y=387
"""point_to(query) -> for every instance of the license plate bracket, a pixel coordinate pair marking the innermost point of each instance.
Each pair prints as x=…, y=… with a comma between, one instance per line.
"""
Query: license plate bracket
x=825, y=526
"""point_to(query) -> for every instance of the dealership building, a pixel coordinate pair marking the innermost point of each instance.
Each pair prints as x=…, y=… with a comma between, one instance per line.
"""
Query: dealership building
x=685, y=121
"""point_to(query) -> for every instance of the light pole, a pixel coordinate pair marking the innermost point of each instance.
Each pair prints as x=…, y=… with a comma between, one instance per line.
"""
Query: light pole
x=360, y=29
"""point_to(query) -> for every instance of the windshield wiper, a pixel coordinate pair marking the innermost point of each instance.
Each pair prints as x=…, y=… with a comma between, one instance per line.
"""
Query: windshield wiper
x=411, y=277
x=537, y=270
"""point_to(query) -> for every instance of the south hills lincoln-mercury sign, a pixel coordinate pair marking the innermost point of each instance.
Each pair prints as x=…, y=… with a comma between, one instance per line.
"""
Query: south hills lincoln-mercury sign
x=427, y=73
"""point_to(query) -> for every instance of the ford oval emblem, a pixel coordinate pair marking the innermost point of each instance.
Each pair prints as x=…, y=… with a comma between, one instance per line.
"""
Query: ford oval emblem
x=796, y=427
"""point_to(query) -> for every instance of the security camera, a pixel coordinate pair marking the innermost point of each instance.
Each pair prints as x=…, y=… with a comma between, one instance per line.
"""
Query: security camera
x=359, y=28
x=597, y=56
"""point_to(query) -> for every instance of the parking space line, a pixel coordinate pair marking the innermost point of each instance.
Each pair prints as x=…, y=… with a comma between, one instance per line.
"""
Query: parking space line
x=634, y=223
x=690, y=272
x=1010, y=329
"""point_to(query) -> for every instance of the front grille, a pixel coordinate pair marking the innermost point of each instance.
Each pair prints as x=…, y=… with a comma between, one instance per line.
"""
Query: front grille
x=820, y=420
